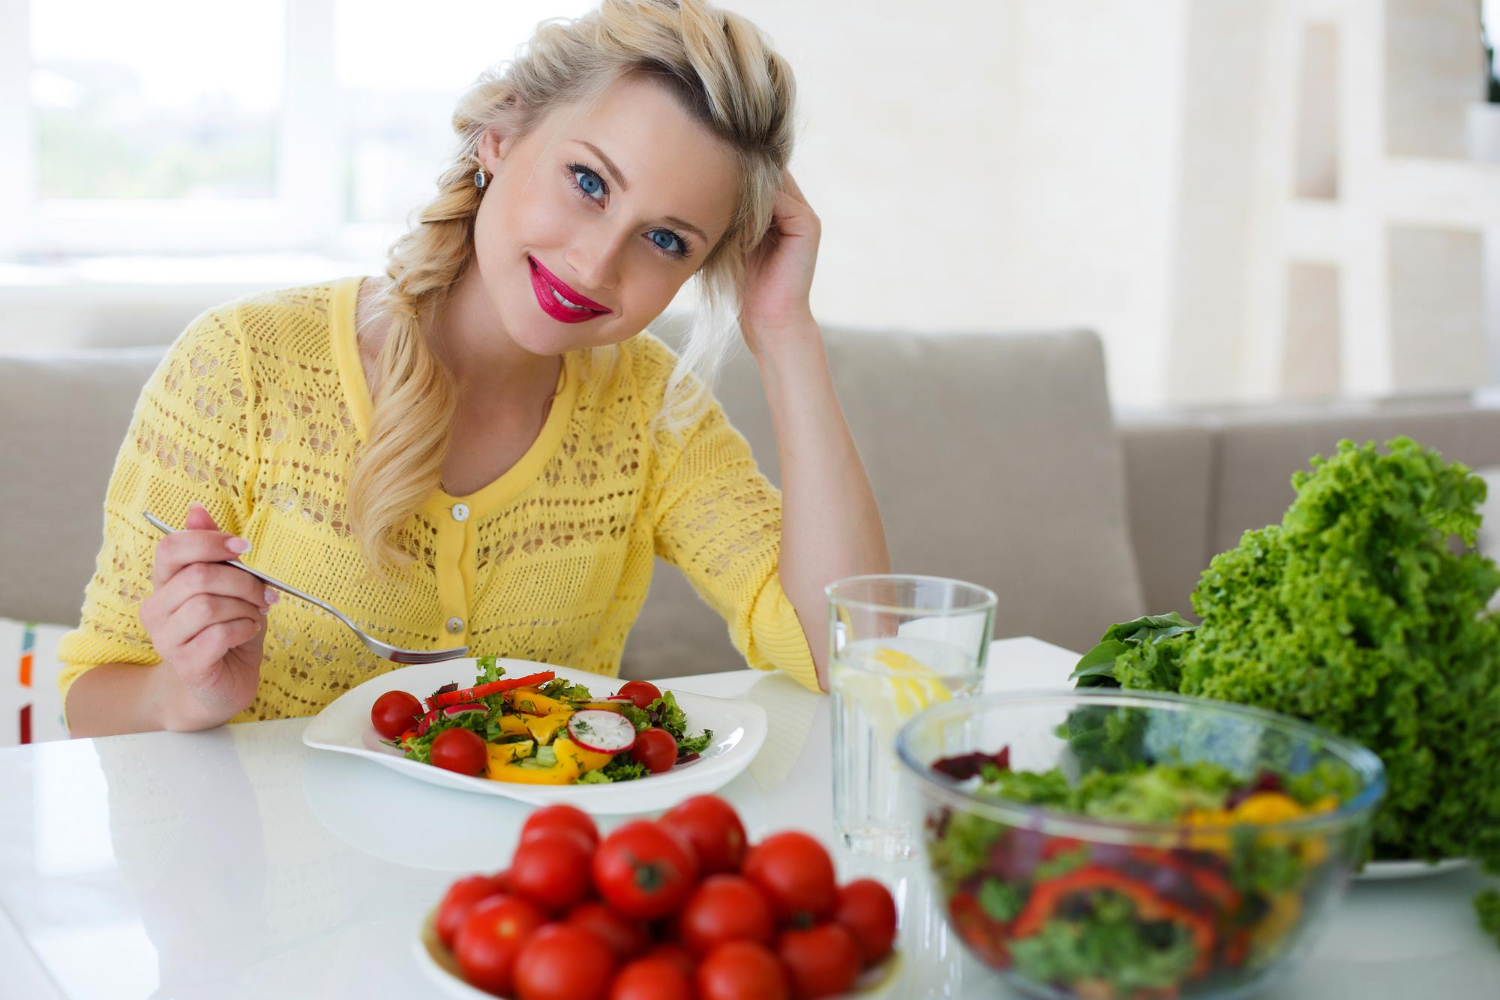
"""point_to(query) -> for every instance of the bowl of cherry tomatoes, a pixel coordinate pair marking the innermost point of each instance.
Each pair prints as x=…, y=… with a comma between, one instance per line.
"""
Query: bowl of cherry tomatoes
x=679, y=908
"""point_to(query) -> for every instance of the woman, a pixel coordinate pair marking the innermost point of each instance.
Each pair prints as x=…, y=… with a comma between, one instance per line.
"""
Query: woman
x=483, y=448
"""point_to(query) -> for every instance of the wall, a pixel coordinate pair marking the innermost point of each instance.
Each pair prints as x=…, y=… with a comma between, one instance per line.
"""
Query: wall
x=994, y=165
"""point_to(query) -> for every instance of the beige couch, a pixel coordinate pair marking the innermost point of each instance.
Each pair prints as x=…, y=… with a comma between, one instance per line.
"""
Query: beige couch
x=995, y=458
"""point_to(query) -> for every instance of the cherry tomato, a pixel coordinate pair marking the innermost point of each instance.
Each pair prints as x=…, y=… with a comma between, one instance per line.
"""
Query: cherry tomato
x=564, y=833
x=677, y=955
x=724, y=908
x=562, y=962
x=742, y=970
x=644, y=870
x=560, y=817
x=627, y=938
x=491, y=939
x=866, y=908
x=393, y=712
x=642, y=693
x=551, y=871
x=459, y=900
x=460, y=750
x=822, y=961
x=713, y=828
x=796, y=874
x=656, y=748
x=651, y=979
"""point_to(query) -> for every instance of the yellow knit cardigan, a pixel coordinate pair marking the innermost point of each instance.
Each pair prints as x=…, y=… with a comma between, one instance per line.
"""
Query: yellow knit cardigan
x=258, y=411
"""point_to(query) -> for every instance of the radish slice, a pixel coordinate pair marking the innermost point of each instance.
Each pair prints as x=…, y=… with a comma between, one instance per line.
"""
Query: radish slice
x=472, y=706
x=601, y=731
x=426, y=722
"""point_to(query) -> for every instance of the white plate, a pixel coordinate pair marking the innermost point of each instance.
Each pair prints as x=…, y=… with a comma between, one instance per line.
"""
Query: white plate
x=1379, y=871
x=438, y=962
x=739, y=729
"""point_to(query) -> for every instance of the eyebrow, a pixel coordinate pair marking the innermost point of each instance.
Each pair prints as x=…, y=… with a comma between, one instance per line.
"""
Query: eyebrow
x=619, y=178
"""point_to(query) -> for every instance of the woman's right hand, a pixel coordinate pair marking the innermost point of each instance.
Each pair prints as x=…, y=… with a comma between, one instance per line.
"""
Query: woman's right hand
x=207, y=621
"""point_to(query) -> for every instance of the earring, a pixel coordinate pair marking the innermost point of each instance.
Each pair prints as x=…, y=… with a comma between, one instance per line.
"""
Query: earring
x=479, y=178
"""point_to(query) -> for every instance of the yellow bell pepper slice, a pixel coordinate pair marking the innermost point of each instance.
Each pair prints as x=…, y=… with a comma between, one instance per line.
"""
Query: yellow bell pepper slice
x=501, y=754
x=1268, y=807
x=1285, y=909
x=533, y=702
x=587, y=760
x=513, y=725
x=544, y=728
x=564, y=772
x=604, y=706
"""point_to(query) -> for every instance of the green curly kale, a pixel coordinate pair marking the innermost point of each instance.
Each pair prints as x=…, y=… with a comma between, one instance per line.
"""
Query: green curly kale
x=1359, y=614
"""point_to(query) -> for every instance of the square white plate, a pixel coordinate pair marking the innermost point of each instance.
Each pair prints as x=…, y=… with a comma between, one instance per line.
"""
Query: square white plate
x=739, y=729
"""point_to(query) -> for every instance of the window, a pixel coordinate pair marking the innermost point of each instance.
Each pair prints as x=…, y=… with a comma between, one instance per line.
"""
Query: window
x=174, y=126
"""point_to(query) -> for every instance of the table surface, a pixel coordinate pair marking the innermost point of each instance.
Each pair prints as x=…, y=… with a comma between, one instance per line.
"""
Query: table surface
x=240, y=863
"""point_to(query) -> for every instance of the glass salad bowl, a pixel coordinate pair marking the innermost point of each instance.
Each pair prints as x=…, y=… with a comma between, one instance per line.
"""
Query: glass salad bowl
x=1138, y=846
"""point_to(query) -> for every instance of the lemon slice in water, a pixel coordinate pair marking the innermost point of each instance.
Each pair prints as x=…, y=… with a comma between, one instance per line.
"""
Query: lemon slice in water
x=911, y=685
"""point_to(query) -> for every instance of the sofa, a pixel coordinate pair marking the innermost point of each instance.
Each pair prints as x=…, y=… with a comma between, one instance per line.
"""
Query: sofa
x=995, y=458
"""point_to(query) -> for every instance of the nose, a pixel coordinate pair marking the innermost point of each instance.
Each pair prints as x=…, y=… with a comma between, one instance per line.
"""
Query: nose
x=595, y=257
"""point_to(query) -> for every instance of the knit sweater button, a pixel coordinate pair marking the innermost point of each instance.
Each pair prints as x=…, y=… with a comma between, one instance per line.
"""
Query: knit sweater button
x=455, y=625
x=460, y=512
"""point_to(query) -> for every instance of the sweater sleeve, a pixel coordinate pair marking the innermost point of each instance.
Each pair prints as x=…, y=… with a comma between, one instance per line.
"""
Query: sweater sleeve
x=189, y=439
x=718, y=520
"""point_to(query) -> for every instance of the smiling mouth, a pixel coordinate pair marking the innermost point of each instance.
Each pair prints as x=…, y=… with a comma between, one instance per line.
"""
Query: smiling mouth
x=571, y=305
x=555, y=285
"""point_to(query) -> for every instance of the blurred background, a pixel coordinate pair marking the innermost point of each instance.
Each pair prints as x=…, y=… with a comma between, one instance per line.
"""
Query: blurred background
x=1249, y=200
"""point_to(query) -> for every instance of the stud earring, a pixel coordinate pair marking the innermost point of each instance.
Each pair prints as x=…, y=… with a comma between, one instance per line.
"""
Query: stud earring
x=479, y=178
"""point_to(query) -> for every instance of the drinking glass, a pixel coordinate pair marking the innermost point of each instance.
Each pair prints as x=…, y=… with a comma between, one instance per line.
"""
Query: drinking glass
x=897, y=644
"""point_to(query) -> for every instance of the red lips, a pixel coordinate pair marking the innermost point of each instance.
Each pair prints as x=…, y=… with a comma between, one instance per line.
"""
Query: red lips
x=544, y=283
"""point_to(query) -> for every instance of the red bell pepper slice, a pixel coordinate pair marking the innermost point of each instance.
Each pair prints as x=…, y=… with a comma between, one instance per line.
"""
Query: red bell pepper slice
x=1207, y=881
x=485, y=690
x=985, y=935
x=1047, y=896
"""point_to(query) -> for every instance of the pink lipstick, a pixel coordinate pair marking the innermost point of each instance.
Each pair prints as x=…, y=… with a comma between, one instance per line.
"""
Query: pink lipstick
x=558, y=300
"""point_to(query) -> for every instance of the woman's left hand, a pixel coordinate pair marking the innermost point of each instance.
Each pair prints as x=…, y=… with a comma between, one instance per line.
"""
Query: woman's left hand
x=774, y=307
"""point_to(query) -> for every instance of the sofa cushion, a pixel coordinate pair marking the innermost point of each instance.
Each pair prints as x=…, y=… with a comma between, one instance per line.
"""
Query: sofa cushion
x=62, y=418
x=994, y=460
x=1169, y=471
x=1259, y=450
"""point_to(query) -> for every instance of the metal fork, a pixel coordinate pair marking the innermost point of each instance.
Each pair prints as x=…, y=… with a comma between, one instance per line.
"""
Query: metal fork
x=393, y=653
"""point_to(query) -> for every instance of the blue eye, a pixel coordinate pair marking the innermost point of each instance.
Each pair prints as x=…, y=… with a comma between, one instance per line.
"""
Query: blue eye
x=589, y=182
x=667, y=240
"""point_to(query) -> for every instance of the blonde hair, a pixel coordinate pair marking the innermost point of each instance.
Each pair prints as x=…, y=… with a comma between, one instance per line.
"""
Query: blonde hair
x=726, y=76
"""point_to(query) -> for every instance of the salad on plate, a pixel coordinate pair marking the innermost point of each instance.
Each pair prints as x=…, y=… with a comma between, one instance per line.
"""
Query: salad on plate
x=539, y=729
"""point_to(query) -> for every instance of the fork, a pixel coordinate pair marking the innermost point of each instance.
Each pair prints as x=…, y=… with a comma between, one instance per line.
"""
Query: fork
x=382, y=649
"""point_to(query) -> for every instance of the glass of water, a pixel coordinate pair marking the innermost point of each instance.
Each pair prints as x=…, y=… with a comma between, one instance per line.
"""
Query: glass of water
x=897, y=644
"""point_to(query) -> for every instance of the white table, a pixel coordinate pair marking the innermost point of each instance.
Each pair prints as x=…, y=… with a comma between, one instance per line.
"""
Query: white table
x=239, y=863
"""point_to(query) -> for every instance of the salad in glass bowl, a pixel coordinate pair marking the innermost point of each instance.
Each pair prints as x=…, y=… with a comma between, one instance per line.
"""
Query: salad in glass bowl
x=1136, y=846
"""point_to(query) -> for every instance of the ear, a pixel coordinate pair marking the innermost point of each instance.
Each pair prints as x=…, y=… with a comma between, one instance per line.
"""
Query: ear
x=493, y=148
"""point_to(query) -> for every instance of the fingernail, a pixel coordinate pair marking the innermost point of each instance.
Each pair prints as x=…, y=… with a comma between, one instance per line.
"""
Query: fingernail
x=271, y=596
x=265, y=611
x=237, y=545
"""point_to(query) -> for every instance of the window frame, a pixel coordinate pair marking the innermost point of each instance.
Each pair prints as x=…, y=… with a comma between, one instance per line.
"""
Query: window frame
x=304, y=213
